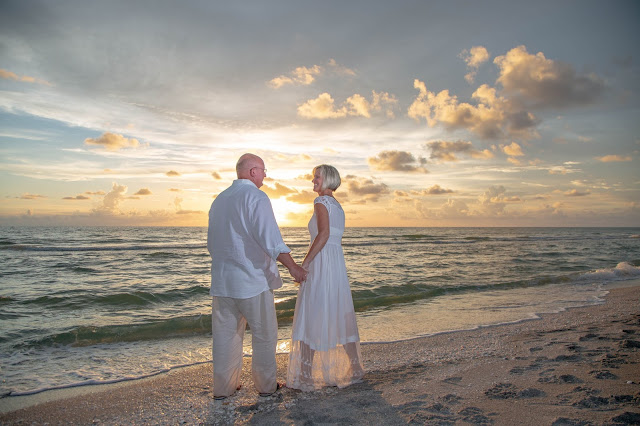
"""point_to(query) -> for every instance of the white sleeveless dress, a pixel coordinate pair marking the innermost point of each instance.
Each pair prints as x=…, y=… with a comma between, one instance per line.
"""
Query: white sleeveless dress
x=324, y=317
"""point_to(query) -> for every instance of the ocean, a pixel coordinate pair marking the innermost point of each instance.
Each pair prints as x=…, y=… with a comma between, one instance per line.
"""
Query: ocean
x=91, y=305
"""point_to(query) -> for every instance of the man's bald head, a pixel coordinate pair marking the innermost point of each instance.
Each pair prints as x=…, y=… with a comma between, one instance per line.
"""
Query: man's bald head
x=250, y=166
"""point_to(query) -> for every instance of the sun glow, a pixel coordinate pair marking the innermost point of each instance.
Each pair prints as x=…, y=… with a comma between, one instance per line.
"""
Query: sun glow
x=291, y=214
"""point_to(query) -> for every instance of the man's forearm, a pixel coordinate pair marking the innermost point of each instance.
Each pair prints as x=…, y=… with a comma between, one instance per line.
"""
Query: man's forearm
x=286, y=260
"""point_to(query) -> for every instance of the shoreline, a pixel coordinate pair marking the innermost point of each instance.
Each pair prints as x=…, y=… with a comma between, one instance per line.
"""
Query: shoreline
x=573, y=364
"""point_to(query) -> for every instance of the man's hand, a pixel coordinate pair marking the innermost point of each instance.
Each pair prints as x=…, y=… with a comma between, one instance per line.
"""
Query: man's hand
x=298, y=273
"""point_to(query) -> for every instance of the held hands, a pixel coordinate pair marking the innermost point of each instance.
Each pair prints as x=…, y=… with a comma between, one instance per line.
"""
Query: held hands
x=298, y=273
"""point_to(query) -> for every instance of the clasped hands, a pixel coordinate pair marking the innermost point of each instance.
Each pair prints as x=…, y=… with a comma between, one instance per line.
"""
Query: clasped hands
x=298, y=273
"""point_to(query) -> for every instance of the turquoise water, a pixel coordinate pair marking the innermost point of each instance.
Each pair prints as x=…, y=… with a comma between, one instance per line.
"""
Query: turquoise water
x=101, y=304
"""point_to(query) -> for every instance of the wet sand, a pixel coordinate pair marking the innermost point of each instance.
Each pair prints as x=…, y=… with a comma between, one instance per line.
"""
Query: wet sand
x=578, y=367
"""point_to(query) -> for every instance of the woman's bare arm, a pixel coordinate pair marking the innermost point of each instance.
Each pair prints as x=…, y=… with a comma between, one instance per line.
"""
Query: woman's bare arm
x=322, y=217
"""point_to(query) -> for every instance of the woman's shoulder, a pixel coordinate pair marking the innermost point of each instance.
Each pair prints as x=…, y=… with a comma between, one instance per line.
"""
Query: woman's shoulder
x=325, y=199
x=328, y=202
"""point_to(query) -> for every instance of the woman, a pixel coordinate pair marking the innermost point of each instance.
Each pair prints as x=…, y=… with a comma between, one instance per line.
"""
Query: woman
x=325, y=345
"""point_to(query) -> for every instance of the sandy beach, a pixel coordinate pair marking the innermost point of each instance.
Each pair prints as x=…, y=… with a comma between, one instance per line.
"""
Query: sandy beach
x=578, y=367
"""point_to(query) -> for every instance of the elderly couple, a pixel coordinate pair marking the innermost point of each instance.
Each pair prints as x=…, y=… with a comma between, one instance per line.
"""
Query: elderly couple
x=244, y=242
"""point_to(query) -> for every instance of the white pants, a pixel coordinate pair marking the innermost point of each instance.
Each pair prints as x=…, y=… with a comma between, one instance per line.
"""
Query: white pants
x=229, y=318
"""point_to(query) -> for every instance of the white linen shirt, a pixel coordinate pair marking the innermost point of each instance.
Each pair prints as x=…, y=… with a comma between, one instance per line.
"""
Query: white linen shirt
x=244, y=241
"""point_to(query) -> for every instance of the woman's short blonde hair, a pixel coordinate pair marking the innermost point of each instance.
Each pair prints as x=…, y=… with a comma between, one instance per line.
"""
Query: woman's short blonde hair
x=330, y=176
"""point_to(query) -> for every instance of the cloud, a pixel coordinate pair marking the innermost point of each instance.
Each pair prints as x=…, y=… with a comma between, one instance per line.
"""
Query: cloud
x=112, y=200
x=562, y=170
x=278, y=191
x=301, y=76
x=172, y=173
x=434, y=190
x=95, y=192
x=320, y=108
x=8, y=75
x=341, y=70
x=446, y=151
x=494, y=200
x=77, y=197
x=304, y=76
x=513, y=150
x=177, y=202
x=306, y=177
x=323, y=107
x=175, y=190
x=576, y=193
x=112, y=142
x=544, y=82
x=27, y=196
x=514, y=161
x=474, y=57
x=365, y=188
x=397, y=161
x=528, y=81
x=455, y=208
x=614, y=158
x=493, y=117
x=302, y=197
x=143, y=191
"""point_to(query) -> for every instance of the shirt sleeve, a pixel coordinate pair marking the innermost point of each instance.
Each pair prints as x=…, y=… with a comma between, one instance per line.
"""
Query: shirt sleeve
x=266, y=230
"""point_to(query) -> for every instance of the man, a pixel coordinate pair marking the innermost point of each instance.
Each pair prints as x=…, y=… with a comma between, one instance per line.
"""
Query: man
x=244, y=242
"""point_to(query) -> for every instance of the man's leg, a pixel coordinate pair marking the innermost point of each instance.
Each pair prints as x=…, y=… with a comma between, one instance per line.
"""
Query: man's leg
x=260, y=312
x=227, y=328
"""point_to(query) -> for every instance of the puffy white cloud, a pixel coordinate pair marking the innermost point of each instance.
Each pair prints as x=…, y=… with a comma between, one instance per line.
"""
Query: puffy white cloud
x=143, y=191
x=513, y=150
x=494, y=200
x=493, y=116
x=527, y=82
x=112, y=142
x=278, y=191
x=302, y=197
x=397, y=161
x=544, y=82
x=299, y=76
x=304, y=76
x=433, y=190
x=449, y=151
x=323, y=107
x=365, y=188
x=111, y=201
x=474, y=57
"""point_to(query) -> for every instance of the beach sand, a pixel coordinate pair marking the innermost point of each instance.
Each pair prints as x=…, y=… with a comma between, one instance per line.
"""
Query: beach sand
x=578, y=367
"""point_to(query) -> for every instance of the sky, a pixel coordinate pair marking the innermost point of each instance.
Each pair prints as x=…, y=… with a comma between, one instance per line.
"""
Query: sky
x=435, y=113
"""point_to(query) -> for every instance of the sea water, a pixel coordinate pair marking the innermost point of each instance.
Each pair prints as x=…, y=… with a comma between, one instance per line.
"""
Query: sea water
x=92, y=305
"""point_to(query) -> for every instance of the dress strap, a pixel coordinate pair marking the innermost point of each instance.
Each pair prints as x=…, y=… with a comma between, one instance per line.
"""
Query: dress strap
x=324, y=200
